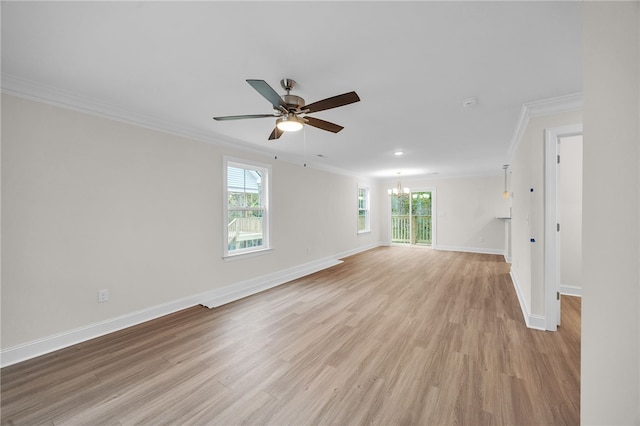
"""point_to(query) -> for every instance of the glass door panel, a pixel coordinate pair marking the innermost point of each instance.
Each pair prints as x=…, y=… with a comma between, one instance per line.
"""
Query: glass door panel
x=411, y=218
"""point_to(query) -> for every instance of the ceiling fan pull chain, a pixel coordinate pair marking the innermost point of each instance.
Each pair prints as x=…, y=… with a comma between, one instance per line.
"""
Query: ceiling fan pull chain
x=304, y=145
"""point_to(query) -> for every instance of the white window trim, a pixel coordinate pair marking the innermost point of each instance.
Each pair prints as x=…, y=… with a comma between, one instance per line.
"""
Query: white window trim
x=368, y=208
x=266, y=192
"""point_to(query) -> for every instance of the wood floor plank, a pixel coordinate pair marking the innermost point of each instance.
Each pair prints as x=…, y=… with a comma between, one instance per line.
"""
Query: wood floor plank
x=392, y=336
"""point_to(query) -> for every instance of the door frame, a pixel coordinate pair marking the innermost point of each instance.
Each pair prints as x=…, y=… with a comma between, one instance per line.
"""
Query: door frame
x=551, y=219
x=432, y=190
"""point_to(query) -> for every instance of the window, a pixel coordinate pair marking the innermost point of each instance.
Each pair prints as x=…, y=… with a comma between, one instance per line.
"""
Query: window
x=363, y=210
x=246, y=201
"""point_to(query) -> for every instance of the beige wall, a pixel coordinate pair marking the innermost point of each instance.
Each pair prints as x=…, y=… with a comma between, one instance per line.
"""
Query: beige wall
x=610, y=382
x=466, y=212
x=527, y=172
x=90, y=203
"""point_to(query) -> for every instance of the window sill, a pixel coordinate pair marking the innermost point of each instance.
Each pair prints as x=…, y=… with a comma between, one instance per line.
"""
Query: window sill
x=238, y=256
x=366, y=231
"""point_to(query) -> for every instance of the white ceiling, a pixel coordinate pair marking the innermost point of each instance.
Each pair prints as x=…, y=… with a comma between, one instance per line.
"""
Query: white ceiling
x=175, y=65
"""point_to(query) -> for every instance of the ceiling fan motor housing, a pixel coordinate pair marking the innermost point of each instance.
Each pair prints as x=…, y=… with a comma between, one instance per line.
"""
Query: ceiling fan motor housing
x=293, y=101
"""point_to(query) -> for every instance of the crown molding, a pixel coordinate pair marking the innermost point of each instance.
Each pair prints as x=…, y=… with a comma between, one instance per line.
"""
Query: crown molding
x=540, y=108
x=16, y=86
x=23, y=88
x=30, y=90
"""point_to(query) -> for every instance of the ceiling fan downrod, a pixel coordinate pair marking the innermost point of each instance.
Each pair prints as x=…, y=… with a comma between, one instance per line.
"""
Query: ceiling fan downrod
x=287, y=84
x=294, y=103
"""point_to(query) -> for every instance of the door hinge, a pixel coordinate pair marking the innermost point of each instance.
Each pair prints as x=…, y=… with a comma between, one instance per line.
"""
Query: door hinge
x=558, y=227
x=557, y=295
x=558, y=159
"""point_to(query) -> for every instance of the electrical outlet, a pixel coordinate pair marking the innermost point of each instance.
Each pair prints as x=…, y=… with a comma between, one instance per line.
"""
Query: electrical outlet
x=103, y=295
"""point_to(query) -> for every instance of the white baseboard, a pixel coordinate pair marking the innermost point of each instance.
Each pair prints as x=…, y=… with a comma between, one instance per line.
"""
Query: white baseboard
x=246, y=288
x=62, y=340
x=571, y=290
x=212, y=298
x=348, y=253
x=470, y=249
x=536, y=322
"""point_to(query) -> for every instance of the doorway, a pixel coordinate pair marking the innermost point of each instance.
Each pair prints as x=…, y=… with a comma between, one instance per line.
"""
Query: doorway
x=562, y=215
x=412, y=218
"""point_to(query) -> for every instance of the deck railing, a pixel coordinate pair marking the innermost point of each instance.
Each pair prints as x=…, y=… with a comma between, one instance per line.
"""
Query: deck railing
x=403, y=225
x=243, y=228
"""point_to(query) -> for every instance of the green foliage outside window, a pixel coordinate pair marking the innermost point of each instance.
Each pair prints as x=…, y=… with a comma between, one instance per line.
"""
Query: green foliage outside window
x=411, y=218
x=244, y=200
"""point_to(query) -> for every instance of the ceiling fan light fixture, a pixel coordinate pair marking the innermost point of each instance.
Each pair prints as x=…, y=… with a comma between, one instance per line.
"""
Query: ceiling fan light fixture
x=505, y=193
x=289, y=123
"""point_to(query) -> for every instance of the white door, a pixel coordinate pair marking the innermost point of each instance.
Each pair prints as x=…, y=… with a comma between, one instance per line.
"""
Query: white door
x=552, y=223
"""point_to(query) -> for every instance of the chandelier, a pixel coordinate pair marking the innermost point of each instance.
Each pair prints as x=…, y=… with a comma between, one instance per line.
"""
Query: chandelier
x=398, y=190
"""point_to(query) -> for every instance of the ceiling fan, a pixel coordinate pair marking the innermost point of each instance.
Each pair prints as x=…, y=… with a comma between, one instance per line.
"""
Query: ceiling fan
x=291, y=112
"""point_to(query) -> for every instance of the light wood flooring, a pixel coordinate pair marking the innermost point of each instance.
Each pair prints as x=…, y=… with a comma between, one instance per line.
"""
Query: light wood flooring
x=393, y=336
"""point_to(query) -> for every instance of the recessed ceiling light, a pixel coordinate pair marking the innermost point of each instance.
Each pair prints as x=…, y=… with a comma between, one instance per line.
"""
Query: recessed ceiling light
x=398, y=153
x=469, y=102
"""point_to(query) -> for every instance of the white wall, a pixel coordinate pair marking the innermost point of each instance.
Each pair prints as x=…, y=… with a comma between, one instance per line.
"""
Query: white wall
x=527, y=172
x=466, y=209
x=610, y=382
x=90, y=203
x=570, y=201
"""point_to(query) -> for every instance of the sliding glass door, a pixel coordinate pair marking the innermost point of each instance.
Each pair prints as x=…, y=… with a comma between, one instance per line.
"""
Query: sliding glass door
x=411, y=221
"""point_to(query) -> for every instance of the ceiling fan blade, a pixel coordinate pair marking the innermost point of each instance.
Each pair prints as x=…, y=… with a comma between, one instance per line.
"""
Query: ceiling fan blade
x=268, y=93
x=324, y=125
x=333, y=102
x=275, y=134
x=242, y=117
